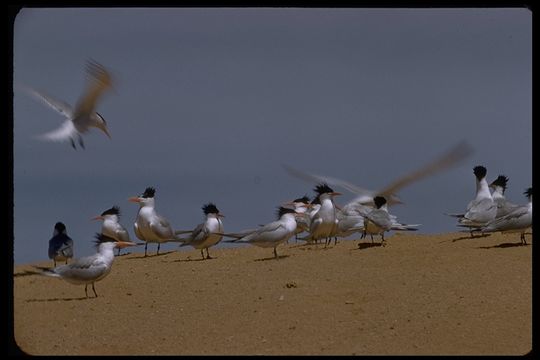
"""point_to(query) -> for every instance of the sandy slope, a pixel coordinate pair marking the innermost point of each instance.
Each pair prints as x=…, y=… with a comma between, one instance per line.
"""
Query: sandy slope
x=420, y=294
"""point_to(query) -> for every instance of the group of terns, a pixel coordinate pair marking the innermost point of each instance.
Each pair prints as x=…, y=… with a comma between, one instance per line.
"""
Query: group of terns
x=321, y=218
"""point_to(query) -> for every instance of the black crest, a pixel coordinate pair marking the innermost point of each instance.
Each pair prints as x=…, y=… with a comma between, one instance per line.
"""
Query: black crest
x=304, y=199
x=528, y=192
x=501, y=181
x=323, y=189
x=100, y=239
x=316, y=200
x=480, y=172
x=379, y=201
x=283, y=210
x=60, y=227
x=115, y=210
x=210, y=208
x=149, y=192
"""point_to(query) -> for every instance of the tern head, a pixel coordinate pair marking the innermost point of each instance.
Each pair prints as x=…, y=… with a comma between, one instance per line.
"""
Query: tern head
x=302, y=201
x=500, y=181
x=281, y=211
x=528, y=193
x=323, y=188
x=114, y=211
x=59, y=228
x=480, y=172
x=101, y=124
x=146, y=198
x=211, y=208
x=379, y=201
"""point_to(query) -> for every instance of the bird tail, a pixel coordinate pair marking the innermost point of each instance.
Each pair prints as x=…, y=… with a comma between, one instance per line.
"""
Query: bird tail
x=46, y=271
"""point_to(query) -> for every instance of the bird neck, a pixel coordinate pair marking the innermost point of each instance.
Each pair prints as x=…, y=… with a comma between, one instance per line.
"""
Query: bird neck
x=482, y=189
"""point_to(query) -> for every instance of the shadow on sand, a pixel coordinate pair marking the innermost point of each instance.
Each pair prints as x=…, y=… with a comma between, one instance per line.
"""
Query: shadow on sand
x=150, y=256
x=190, y=260
x=503, y=246
x=59, y=299
x=469, y=237
x=368, y=245
x=273, y=258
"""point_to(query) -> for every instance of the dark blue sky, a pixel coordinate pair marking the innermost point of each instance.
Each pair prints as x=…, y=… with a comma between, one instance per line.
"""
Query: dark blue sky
x=208, y=103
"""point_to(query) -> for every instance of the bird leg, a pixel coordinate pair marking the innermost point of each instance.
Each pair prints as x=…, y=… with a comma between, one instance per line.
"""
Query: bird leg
x=158, y=245
x=145, y=247
x=86, y=290
x=208, y=254
x=81, y=141
x=72, y=143
x=54, y=262
x=335, y=240
x=202, y=253
x=95, y=293
x=275, y=253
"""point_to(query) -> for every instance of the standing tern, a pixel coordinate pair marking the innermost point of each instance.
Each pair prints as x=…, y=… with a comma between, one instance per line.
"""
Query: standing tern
x=482, y=209
x=206, y=234
x=303, y=218
x=87, y=270
x=111, y=227
x=324, y=221
x=272, y=234
x=84, y=116
x=378, y=220
x=518, y=220
x=365, y=197
x=499, y=187
x=60, y=245
x=149, y=226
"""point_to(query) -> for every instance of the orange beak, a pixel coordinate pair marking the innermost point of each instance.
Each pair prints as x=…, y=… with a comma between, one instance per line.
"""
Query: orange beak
x=99, y=217
x=335, y=193
x=123, y=244
x=220, y=215
x=134, y=199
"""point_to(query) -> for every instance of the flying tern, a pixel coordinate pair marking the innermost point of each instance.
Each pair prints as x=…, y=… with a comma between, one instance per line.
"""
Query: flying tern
x=518, y=220
x=365, y=197
x=206, y=234
x=378, y=220
x=90, y=269
x=272, y=234
x=482, y=209
x=149, y=226
x=60, y=245
x=80, y=119
x=111, y=226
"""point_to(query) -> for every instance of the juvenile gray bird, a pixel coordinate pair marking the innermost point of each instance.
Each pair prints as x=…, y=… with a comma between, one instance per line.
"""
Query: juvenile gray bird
x=60, y=245
x=206, y=234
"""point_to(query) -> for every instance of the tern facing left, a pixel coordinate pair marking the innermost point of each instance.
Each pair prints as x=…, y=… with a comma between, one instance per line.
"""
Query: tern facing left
x=80, y=119
x=149, y=225
x=206, y=234
x=111, y=226
x=272, y=234
x=90, y=269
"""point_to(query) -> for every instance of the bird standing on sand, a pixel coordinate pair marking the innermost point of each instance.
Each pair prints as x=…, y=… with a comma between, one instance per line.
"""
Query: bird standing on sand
x=149, y=226
x=206, y=234
x=111, y=227
x=499, y=187
x=83, y=117
x=303, y=219
x=324, y=221
x=378, y=220
x=60, y=245
x=518, y=220
x=272, y=234
x=482, y=209
x=87, y=270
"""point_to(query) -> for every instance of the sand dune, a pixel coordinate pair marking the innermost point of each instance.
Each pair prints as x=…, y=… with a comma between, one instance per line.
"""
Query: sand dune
x=420, y=294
